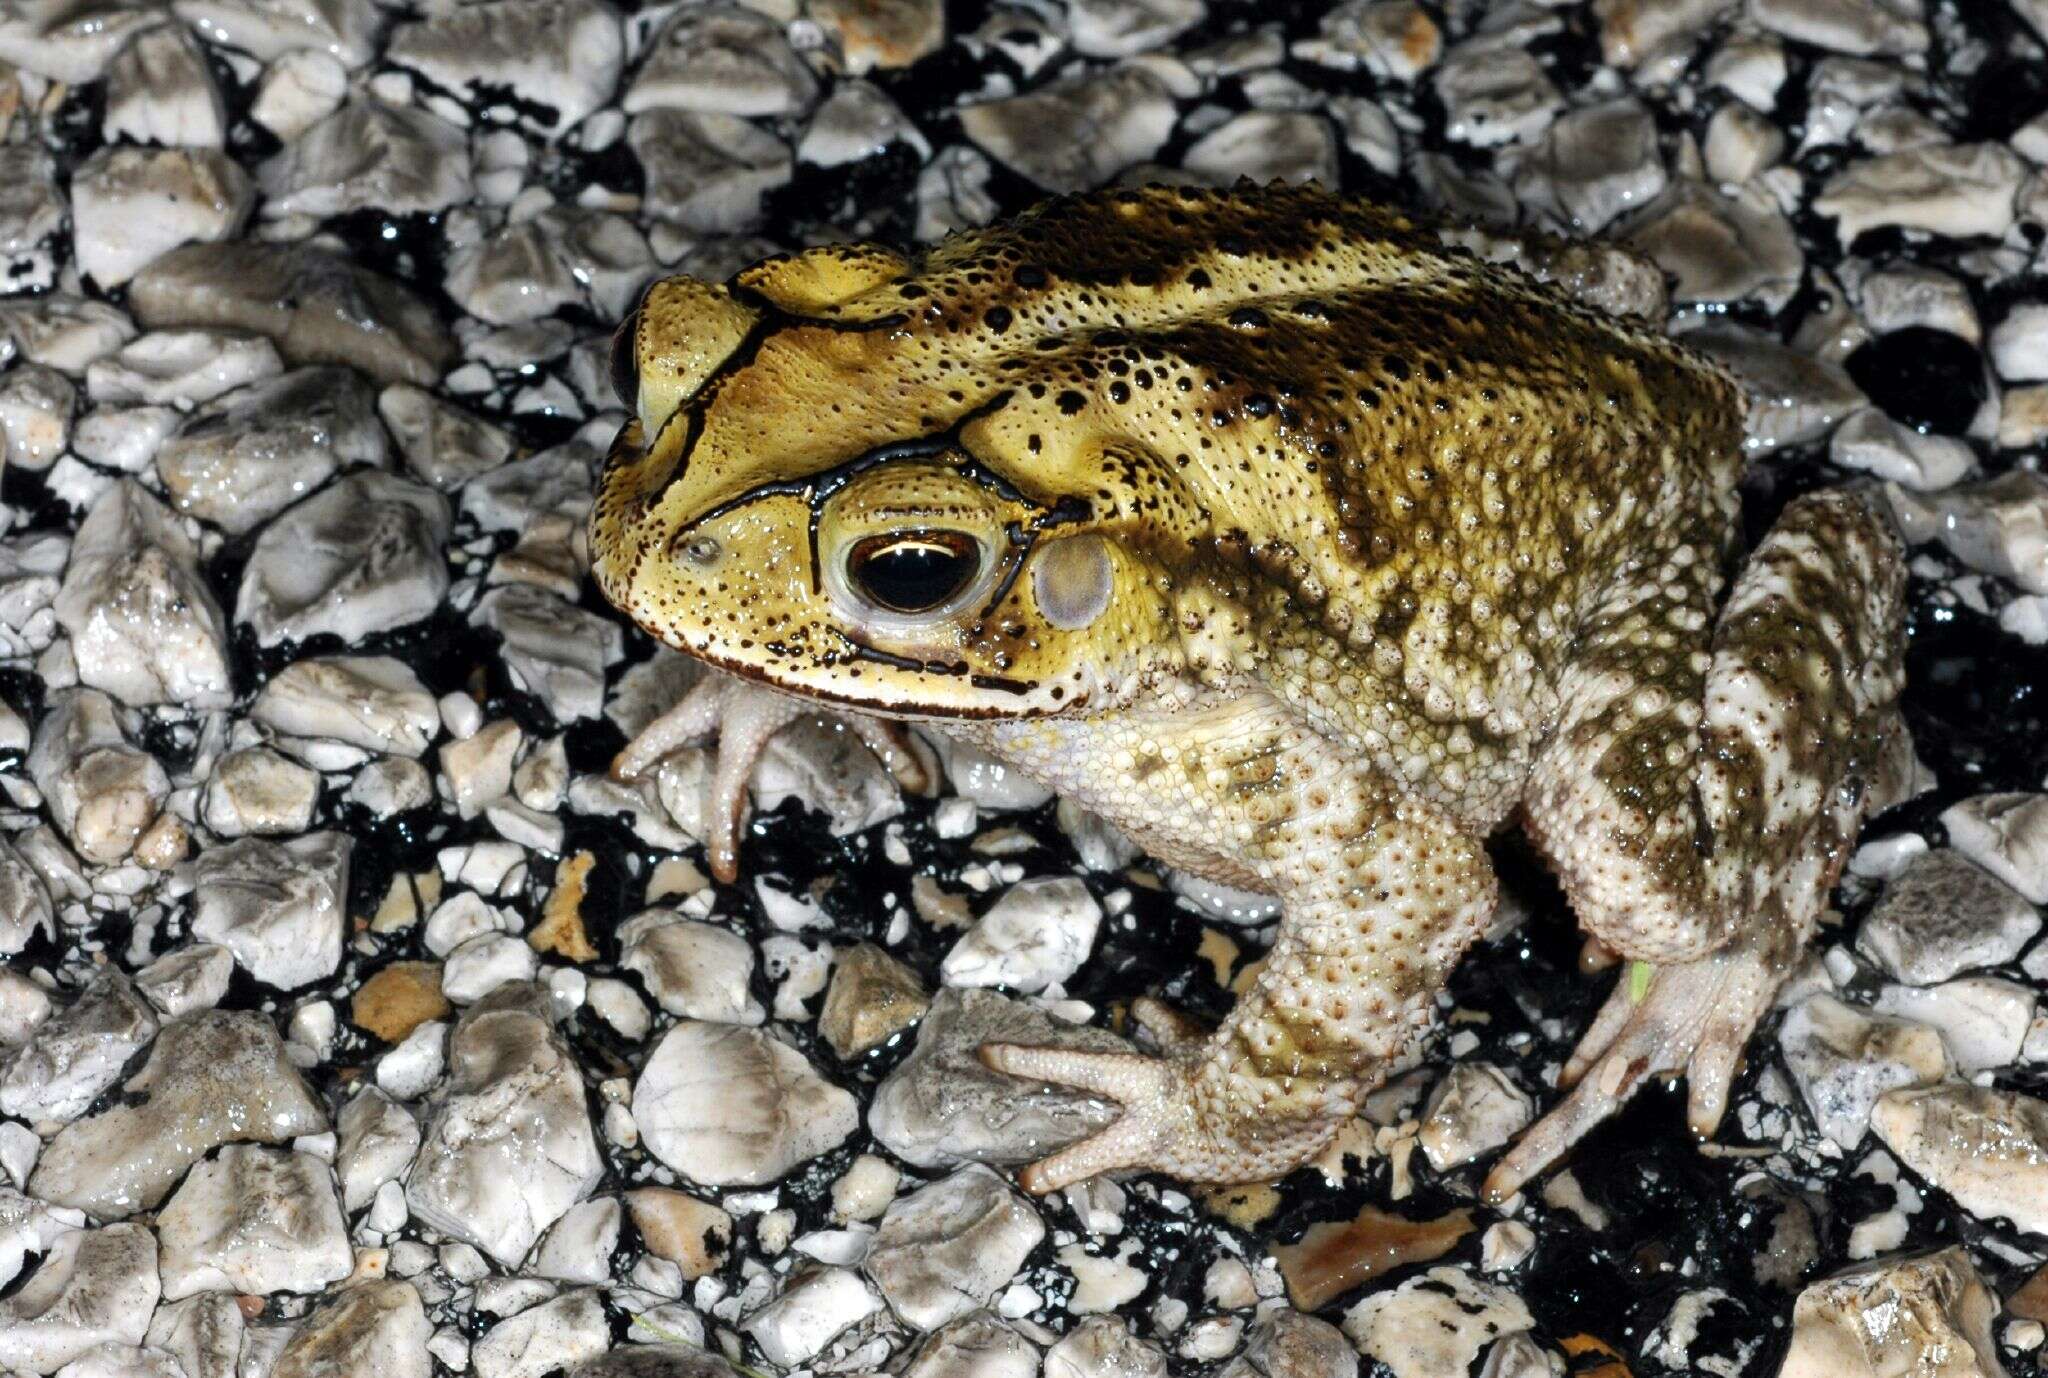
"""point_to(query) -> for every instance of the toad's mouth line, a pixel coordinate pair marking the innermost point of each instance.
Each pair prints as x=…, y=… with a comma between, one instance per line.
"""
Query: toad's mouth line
x=754, y=673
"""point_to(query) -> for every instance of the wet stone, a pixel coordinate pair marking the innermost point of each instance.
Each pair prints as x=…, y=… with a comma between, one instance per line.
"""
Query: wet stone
x=31, y=213
x=1986, y=1148
x=395, y=159
x=256, y=790
x=343, y=29
x=1846, y=26
x=693, y=970
x=25, y=905
x=1493, y=96
x=544, y=1338
x=546, y=63
x=1794, y=398
x=871, y=997
x=554, y=650
x=813, y=1309
x=979, y=1345
x=728, y=1105
x=723, y=59
x=1287, y=1344
x=579, y=1246
x=857, y=121
x=1944, y=915
x=1436, y=1323
x=707, y=171
x=1876, y=444
x=70, y=40
x=1996, y=526
x=186, y=979
x=948, y=1248
x=144, y=626
x=1958, y=190
x=298, y=90
x=1983, y=1019
x=160, y=90
x=211, y=1078
x=317, y=306
x=36, y=405
x=508, y=1147
x=1123, y=28
x=102, y=792
x=61, y=330
x=377, y=1330
x=31, y=570
x=377, y=1138
x=889, y=35
x=1077, y=132
x=1843, y=1058
x=77, y=1053
x=181, y=367
x=202, y=1334
x=247, y=456
x=278, y=906
x=253, y=1220
x=563, y=257
x=130, y=205
x=1720, y=247
x=2019, y=343
x=1288, y=145
x=93, y=1286
x=1891, y=1316
x=942, y=1107
x=363, y=555
x=1471, y=1112
x=667, y=1360
x=341, y=708
x=1592, y=166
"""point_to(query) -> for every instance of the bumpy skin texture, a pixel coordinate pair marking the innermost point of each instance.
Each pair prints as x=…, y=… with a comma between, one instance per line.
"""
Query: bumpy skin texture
x=1310, y=551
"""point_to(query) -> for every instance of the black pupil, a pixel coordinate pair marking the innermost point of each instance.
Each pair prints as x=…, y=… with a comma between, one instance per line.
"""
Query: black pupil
x=913, y=573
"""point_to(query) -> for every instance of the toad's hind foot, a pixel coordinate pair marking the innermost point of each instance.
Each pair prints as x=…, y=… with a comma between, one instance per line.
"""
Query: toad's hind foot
x=743, y=717
x=1694, y=1017
x=1171, y=1122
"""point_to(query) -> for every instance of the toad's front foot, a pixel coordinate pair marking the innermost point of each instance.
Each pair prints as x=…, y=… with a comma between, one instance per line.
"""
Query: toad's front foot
x=1179, y=1114
x=743, y=717
x=1691, y=1017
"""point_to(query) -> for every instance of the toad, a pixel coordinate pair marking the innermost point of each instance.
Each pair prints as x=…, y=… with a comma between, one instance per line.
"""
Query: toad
x=1310, y=550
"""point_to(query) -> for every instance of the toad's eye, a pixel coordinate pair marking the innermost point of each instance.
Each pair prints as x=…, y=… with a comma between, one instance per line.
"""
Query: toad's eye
x=913, y=571
x=626, y=360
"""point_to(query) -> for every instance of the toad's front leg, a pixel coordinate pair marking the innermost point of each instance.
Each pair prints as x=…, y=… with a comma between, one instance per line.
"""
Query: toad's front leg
x=742, y=717
x=1382, y=896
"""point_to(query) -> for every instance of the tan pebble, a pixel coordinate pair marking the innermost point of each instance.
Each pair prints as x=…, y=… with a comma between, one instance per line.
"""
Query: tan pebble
x=560, y=929
x=399, y=999
x=692, y=1234
x=1336, y=1256
x=872, y=995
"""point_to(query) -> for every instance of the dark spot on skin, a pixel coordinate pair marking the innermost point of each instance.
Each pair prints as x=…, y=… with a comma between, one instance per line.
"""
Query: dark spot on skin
x=1248, y=318
x=1071, y=402
x=1119, y=393
x=1396, y=367
x=998, y=318
x=1031, y=275
x=1198, y=280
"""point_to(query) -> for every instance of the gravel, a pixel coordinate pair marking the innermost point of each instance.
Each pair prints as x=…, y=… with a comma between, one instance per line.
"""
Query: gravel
x=354, y=1021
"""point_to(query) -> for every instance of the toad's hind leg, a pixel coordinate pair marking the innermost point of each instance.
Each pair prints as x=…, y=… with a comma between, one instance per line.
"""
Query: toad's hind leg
x=1382, y=894
x=1799, y=740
